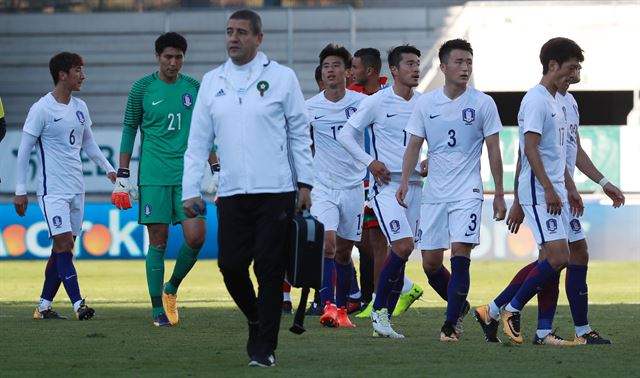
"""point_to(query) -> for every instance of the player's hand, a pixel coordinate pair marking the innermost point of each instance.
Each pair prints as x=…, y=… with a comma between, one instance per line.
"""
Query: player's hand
x=615, y=194
x=380, y=172
x=575, y=203
x=304, y=200
x=424, y=168
x=554, y=204
x=124, y=190
x=194, y=206
x=112, y=177
x=21, y=202
x=212, y=186
x=515, y=218
x=401, y=193
x=499, y=207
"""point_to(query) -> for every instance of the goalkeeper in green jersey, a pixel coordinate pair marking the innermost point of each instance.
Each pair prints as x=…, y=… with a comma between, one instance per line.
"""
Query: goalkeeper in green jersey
x=160, y=105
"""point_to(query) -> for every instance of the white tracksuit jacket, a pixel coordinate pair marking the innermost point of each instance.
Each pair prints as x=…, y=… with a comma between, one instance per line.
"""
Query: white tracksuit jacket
x=262, y=135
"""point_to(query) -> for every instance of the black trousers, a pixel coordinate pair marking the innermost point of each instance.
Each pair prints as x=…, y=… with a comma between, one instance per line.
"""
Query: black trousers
x=256, y=227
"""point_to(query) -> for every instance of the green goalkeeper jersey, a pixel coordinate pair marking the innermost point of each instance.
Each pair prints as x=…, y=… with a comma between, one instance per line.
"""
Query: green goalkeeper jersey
x=163, y=113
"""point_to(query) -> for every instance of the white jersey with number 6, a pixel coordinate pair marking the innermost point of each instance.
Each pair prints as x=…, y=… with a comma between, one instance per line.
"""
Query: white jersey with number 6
x=454, y=131
x=539, y=113
x=60, y=130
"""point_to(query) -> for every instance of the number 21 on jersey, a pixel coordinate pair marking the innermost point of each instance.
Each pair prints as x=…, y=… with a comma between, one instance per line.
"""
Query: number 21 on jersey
x=175, y=121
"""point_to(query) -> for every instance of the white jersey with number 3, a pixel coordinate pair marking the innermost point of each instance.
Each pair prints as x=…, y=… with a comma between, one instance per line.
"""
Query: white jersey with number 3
x=539, y=113
x=387, y=114
x=60, y=130
x=454, y=131
x=333, y=167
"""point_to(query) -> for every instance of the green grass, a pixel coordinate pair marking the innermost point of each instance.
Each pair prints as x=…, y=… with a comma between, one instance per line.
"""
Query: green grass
x=210, y=339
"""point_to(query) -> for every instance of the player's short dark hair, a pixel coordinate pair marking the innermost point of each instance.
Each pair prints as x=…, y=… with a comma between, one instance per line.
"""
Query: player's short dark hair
x=453, y=44
x=335, y=50
x=559, y=49
x=318, y=74
x=248, y=15
x=171, y=39
x=395, y=54
x=370, y=57
x=64, y=62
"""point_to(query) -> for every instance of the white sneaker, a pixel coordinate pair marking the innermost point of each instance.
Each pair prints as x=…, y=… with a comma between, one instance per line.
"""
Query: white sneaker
x=382, y=325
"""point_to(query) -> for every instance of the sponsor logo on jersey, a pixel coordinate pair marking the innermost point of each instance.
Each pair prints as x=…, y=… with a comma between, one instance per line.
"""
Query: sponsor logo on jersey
x=432, y=116
x=468, y=115
x=147, y=209
x=220, y=93
x=187, y=100
x=575, y=225
x=349, y=111
x=57, y=119
x=81, y=118
x=57, y=221
x=395, y=226
x=552, y=225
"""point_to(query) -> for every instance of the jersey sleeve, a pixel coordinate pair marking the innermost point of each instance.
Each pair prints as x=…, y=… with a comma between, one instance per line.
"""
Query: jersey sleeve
x=35, y=122
x=532, y=117
x=416, y=124
x=366, y=113
x=491, y=118
x=133, y=115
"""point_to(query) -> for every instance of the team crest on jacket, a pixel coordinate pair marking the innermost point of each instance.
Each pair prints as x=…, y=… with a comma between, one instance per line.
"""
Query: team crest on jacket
x=57, y=221
x=349, y=111
x=552, y=225
x=468, y=115
x=187, y=100
x=81, y=118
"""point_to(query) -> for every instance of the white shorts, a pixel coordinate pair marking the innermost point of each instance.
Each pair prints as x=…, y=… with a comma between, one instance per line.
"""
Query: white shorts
x=545, y=227
x=572, y=225
x=339, y=210
x=62, y=212
x=395, y=221
x=450, y=222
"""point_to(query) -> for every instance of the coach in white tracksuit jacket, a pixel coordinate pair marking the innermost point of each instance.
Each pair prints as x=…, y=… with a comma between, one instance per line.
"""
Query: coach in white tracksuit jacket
x=254, y=110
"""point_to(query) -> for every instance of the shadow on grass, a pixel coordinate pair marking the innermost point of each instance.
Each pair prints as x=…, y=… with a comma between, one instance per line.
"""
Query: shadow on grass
x=210, y=341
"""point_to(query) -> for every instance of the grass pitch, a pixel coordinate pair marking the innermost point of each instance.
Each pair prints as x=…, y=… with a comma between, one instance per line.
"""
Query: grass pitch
x=210, y=339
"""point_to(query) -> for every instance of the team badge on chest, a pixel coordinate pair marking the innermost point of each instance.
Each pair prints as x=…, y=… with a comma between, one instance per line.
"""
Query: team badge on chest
x=262, y=87
x=468, y=115
x=187, y=100
x=81, y=118
x=349, y=111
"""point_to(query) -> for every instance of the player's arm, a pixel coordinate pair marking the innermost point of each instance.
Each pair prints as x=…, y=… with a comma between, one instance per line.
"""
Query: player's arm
x=409, y=161
x=299, y=135
x=516, y=214
x=93, y=151
x=495, y=164
x=31, y=131
x=531, y=143
x=574, y=198
x=350, y=132
x=199, y=149
x=586, y=166
x=125, y=191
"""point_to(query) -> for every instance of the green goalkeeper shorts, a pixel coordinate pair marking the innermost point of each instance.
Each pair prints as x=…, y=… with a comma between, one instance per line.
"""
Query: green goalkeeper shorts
x=161, y=204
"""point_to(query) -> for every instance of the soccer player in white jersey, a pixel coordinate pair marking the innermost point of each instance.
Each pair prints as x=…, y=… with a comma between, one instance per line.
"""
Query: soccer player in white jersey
x=386, y=113
x=455, y=120
x=544, y=183
x=338, y=192
x=59, y=125
x=576, y=277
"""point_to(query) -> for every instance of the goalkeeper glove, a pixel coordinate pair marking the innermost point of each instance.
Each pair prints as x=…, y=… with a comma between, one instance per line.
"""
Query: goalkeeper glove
x=212, y=187
x=124, y=190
